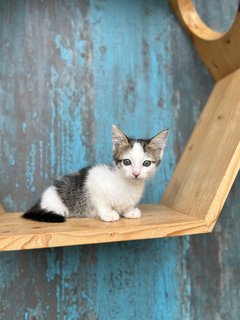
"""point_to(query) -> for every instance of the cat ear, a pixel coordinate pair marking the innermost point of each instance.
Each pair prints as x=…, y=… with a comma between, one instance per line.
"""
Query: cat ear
x=158, y=142
x=118, y=137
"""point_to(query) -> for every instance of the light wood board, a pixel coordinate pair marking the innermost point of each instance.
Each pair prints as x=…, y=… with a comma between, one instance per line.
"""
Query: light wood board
x=218, y=50
x=211, y=159
x=2, y=210
x=157, y=221
x=204, y=174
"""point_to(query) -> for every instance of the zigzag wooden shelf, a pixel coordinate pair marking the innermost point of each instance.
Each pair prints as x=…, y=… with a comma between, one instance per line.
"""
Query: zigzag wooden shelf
x=158, y=221
x=202, y=179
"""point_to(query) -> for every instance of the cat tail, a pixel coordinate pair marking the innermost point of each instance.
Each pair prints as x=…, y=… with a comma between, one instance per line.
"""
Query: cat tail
x=38, y=214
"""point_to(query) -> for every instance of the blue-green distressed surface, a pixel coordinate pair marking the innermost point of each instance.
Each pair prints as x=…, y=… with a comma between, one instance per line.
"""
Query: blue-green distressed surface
x=68, y=70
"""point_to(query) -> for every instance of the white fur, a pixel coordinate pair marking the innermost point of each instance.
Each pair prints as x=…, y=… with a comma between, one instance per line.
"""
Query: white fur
x=137, y=157
x=52, y=202
x=132, y=213
x=112, y=193
x=116, y=191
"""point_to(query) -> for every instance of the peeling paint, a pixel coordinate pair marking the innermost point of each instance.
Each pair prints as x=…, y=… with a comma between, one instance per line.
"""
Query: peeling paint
x=69, y=70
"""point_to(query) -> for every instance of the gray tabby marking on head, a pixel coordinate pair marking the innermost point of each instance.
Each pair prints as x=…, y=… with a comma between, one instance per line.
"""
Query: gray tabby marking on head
x=121, y=143
x=156, y=145
x=153, y=147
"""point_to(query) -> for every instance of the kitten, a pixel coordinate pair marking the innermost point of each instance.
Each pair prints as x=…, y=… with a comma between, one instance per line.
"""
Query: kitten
x=104, y=191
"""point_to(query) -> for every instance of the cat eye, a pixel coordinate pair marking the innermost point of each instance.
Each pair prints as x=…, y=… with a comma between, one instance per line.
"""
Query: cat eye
x=147, y=163
x=127, y=162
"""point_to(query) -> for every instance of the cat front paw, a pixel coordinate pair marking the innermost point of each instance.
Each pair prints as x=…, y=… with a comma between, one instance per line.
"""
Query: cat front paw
x=110, y=216
x=132, y=214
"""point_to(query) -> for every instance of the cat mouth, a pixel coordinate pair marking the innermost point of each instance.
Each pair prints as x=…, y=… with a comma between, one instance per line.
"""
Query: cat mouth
x=137, y=178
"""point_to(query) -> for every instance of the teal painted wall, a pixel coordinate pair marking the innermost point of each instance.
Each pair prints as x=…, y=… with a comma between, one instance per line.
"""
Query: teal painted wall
x=68, y=70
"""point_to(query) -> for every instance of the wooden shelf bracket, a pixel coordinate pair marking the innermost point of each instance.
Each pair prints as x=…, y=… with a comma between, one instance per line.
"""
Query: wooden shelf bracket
x=204, y=174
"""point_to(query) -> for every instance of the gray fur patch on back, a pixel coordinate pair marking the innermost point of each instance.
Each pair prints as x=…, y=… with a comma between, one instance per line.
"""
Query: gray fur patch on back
x=73, y=192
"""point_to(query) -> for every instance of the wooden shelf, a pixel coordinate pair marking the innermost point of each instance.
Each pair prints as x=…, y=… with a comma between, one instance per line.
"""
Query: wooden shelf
x=202, y=179
x=158, y=221
x=193, y=199
x=218, y=50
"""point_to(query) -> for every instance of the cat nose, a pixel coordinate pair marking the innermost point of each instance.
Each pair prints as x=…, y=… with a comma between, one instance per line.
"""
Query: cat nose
x=135, y=174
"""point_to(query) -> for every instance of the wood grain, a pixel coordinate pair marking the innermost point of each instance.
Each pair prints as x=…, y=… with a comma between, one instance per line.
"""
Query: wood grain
x=211, y=160
x=196, y=192
x=146, y=76
x=17, y=233
x=2, y=210
x=219, y=51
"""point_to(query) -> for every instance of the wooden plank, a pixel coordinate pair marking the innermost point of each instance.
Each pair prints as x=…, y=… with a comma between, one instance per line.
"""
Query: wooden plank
x=17, y=233
x=2, y=210
x=219, y=51
x=211, y=160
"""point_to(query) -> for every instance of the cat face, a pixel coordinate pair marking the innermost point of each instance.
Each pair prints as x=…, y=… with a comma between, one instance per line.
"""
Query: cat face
x=138, y=159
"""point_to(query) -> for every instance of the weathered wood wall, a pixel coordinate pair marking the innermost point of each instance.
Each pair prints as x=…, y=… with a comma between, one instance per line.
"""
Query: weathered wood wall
x=68, y=70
